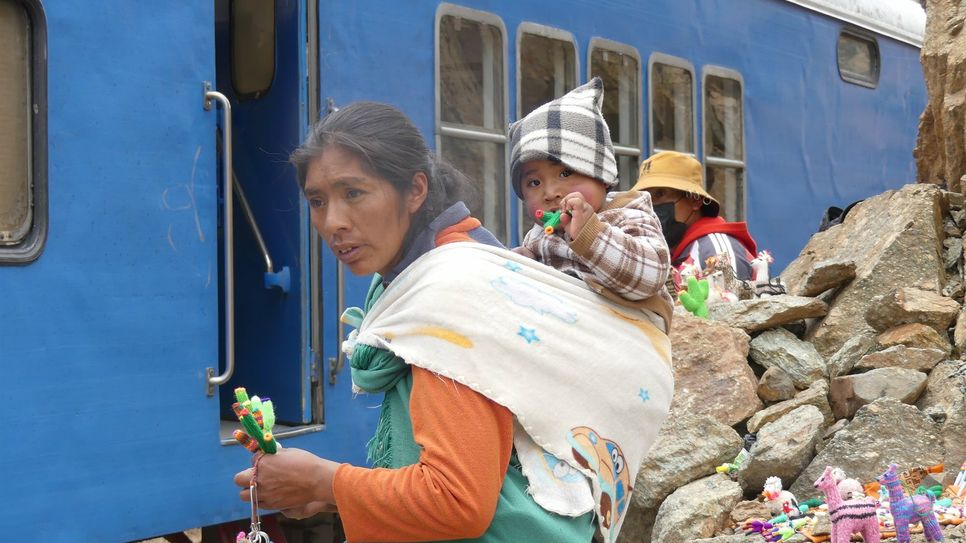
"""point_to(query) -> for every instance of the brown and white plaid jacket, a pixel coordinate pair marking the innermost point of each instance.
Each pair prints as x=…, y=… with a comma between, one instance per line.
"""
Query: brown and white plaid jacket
x=620, y=253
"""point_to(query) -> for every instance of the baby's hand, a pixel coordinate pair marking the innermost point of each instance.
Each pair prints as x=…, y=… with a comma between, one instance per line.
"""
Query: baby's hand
x=580, y=212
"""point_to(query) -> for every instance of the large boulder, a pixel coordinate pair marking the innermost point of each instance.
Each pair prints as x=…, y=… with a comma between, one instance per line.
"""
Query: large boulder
x=884, y=431
x=945, y=387
x=894, y=238
x=799, y=359
x=784, y=447
x=850, y=392
x=824, y=276
x=711, y=372
x=900, y=356
x=688, y=447
x=906, y=305
x=915, y=335
x=941, y=146
x=816, y=395
x=959, y=333
x=696, y=510
x=776, y=386
x=759, y=314
x=842, y=362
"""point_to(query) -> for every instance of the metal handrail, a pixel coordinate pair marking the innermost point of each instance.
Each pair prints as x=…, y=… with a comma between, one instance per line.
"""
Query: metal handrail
x=229, y=251
x=250, y=217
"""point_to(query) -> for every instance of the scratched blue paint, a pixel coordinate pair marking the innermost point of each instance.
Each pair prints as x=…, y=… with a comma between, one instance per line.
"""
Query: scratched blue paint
x=122, y=308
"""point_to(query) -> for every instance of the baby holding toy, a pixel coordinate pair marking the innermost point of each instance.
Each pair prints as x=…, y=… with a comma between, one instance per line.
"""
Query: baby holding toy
x=562, y=161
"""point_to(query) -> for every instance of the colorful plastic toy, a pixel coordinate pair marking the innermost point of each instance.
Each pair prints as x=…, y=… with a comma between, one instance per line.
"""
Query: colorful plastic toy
x=848, y=516
x=909, y=510
x=695, y=298
x=551, y=219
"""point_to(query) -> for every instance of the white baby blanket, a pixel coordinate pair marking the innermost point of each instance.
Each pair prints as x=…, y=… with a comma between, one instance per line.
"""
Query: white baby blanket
x=589, y=381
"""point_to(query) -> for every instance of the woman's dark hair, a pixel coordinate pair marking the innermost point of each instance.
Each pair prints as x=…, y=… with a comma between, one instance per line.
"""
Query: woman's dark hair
x=389, y=146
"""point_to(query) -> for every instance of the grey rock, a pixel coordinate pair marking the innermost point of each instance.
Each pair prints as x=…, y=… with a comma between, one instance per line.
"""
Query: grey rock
x=901, y=356
x=907, y=305
x=784, y=447
x=954, y=251
x=775, y=386
x=829, y=433
x=734, y=538
x=959, y=332
x=711, y=371
x=826, y=275
x=895, y=240
x=945, y=387
x=764, y=313
x=696, y=510
x=749, y=510
x=884, y=431
x=687, y=448
x=854, y=349
x=816, y=395
x=850, y=392
x=799, y=359
x=954, y=436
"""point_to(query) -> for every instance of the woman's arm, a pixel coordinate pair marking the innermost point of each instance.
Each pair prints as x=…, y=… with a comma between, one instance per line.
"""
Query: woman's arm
x=452, y=492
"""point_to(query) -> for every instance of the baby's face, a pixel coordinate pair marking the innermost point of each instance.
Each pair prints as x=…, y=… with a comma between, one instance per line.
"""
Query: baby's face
x=544, y=183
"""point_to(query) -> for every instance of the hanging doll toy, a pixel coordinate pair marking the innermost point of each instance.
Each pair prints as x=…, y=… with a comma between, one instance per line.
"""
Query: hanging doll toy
x=909, y=510
x=257, y=417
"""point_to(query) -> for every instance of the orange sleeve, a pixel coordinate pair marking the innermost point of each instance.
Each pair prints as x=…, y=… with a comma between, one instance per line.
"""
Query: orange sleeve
x=452, y=492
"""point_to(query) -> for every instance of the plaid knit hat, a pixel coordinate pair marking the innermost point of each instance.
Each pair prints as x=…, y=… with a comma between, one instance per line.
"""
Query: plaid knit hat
x=571, y=130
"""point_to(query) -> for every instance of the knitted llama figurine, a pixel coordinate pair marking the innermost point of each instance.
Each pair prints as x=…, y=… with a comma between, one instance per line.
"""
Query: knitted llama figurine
x=848, y=516
x=909, y=510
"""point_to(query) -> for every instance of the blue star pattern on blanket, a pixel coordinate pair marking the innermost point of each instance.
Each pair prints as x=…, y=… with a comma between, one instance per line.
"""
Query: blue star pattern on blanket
x=645, y=396
x=528, y=334
x=512, y=266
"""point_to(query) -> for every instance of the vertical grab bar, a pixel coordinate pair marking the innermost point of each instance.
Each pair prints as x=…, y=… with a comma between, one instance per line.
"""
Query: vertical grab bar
x=227, y=192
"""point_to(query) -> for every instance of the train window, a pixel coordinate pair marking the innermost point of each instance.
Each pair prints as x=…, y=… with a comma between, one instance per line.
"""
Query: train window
x=252, y=47
x=22, y=179
x=619, y=66
x=724, y=150
x=671, y=116
x=471, y=106
x=858, y=59
x=546, y=66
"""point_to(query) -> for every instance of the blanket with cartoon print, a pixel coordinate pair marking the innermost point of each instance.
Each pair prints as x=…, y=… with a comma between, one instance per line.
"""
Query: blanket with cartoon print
x=589, y=382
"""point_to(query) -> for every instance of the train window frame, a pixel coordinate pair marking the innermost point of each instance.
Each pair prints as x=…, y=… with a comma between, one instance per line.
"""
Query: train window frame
x=621, y=150
x=857, y=78
x=535, y=29
x=472, y=133
x=233, y=54
x=31, y=244
x=724, y=162
x=676, y=62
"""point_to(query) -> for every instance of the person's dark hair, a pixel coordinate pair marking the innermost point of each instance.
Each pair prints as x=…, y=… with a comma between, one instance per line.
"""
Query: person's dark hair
x=390, y=146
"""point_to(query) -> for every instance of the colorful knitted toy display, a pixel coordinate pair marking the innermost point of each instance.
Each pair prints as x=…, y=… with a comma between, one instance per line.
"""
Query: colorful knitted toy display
x=849, y=516
x=257, y=417
x=908, y=510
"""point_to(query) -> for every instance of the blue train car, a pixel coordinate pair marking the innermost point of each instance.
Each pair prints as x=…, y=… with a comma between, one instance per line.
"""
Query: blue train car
x=155, y=251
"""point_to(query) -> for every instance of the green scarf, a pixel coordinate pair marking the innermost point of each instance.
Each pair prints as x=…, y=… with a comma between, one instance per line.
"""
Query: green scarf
x=378, y=370
x=517, y=517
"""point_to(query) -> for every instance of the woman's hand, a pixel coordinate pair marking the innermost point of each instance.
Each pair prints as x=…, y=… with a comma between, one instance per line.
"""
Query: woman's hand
x=291, y=479
x=579, y=210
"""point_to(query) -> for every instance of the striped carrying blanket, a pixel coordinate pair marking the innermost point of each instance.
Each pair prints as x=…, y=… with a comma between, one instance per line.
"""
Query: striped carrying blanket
x=589, y=382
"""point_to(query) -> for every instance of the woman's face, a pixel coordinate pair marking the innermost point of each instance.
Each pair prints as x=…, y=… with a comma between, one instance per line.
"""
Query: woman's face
x=361, y=217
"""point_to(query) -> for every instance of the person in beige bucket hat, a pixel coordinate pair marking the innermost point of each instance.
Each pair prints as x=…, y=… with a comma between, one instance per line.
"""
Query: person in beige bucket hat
x=690, y=216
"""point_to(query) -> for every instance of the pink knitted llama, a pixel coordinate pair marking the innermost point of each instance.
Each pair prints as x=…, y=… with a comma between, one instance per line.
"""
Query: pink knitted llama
x=848, y=516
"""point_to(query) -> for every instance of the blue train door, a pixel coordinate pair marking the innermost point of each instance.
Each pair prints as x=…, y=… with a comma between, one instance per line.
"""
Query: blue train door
x=260, y=58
